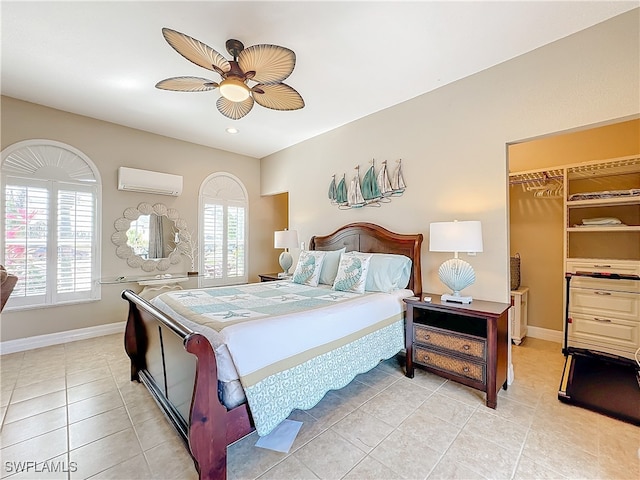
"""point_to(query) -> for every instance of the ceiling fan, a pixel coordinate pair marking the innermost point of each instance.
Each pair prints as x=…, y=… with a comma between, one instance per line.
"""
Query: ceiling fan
x=265, y=65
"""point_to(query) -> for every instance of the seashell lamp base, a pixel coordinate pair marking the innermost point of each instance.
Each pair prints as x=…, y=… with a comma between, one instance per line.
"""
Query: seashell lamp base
x=457, y=275
x=286, y=260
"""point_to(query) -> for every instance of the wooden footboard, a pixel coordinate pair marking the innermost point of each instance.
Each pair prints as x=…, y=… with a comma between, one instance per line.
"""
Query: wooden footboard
x=178, y=367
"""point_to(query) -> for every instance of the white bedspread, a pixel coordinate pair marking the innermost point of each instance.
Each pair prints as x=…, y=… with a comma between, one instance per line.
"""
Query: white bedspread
x=262, y=347
x=252, y=343
x=290, y=360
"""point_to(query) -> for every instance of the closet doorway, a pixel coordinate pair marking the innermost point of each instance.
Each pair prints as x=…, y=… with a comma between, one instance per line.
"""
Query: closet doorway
x=536, y=210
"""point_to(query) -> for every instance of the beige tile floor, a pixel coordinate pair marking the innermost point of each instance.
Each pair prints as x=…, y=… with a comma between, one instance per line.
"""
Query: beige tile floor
x=73, y=407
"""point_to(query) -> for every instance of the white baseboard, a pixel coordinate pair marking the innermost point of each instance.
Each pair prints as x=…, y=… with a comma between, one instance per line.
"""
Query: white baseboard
x=39, y=341
x=545, y=334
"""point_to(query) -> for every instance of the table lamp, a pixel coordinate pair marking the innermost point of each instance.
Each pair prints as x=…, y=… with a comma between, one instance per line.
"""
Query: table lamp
x=456, y=237
x=285, y=239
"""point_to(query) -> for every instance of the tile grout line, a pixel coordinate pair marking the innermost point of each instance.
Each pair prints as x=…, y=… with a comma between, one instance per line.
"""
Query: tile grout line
x=377, y=393
x=66, y=404
x=135, y=430
x=475, y=409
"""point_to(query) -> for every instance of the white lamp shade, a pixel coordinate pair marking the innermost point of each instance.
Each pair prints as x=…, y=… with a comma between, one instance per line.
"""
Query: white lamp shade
x=455, y=236
x=285, y=239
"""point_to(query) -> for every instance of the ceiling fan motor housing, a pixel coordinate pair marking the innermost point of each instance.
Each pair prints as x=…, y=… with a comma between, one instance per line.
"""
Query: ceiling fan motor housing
x=234, y=47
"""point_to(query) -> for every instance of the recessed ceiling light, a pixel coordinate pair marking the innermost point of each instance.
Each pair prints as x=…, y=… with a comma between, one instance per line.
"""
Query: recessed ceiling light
x=232, y=130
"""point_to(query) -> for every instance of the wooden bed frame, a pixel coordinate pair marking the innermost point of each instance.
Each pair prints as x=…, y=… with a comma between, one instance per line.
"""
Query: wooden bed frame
x=185, y=385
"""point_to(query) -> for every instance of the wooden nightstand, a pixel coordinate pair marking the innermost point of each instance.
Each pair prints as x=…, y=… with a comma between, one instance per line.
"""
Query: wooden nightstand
x=270, y=277
x=464, y=343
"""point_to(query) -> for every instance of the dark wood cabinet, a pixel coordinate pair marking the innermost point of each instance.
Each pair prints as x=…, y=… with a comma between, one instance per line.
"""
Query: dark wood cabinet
x=269, y=277
x=466, y=343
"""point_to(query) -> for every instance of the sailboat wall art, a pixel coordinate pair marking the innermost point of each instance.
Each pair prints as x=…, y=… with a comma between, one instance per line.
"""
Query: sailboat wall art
x=374, y=189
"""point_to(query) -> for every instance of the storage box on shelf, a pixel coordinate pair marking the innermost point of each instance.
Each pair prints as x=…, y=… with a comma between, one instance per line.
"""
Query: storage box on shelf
x=604, y=312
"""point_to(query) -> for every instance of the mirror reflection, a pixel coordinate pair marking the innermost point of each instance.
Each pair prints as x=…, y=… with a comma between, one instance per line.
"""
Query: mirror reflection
x=147, y=237
x=152, y=236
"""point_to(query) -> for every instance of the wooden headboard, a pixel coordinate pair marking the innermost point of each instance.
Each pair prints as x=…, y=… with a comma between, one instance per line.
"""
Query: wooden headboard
x=371, y=238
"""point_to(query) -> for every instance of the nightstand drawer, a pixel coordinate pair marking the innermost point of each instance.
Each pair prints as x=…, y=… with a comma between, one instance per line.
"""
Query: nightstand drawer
x=458, y=366
x=455, y=342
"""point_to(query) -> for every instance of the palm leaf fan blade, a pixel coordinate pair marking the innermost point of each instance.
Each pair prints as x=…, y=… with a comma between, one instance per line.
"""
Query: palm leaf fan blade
x=187, y=84
x=271, y=63
x=279, y=96
x=195, y=51
x=234, y=110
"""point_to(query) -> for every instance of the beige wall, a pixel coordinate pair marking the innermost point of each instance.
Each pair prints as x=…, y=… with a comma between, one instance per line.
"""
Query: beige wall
x=537, y=224
x=452, y=142
x=276, y=217
x=537, y=231
x=110, y=146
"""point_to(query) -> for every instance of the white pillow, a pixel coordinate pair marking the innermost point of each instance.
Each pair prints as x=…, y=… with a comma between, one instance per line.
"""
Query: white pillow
x=309, y=267
x=388, y=272
x=330, y=266
x=352, y=272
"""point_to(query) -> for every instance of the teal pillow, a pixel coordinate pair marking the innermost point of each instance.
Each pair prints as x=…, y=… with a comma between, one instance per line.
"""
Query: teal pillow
x=308, y=268
x=352, y=272
x=388, y=272
x=330, y=266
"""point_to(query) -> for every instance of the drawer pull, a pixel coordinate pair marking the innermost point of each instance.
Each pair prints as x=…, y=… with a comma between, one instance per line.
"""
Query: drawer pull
x=465, y=369
x=466, y=347
x=427, y=337
x=602, y=266
x=601, y=293
x=602, y=320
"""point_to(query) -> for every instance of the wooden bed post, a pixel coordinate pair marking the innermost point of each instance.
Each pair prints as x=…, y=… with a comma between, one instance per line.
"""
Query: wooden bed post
x=135, y=341
x=208, y=422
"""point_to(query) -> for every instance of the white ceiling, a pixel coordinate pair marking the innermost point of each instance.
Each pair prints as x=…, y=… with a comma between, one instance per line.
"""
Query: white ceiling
x=102, y=59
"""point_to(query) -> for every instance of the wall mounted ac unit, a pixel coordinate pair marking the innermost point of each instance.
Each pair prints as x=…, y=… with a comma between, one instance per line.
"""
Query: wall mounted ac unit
x=136, y=180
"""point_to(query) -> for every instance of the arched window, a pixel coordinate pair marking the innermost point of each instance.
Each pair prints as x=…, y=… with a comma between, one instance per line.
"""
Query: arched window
x=223, y=230
x=50, y=224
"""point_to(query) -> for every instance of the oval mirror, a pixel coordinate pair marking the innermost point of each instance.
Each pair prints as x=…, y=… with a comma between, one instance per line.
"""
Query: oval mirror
x=147, y=236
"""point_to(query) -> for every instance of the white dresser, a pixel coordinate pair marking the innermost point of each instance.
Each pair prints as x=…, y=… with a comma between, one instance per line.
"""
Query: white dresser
x=604, y=312
x=518, y=314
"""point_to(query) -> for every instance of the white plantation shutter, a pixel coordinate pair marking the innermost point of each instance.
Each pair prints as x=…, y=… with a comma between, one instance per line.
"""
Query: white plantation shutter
x=75, y=241
x=26, y=237
x=223, y=237
x=236, y=241
x=50, y=203
x=213, y=227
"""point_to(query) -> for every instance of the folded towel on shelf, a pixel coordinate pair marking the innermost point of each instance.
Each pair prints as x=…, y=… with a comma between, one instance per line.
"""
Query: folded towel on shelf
x=601, y=221
x=632, y=192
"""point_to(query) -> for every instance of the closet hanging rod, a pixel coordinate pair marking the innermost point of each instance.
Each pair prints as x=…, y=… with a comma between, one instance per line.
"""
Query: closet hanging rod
x=519, y=179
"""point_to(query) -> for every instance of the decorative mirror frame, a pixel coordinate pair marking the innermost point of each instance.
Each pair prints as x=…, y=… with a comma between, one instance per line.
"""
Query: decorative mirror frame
x=124, y=251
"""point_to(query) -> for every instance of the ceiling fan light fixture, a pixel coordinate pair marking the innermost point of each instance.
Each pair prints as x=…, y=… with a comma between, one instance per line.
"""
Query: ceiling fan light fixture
x=265, y=65
x=234, y=90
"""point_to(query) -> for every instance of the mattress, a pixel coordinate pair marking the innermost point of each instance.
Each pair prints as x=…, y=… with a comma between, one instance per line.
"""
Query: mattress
x=268, y=332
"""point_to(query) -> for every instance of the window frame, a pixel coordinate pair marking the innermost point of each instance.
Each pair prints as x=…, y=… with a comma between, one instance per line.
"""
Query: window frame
x=205, y=198
x=55, y=170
